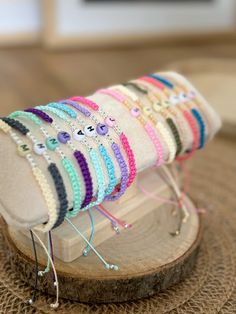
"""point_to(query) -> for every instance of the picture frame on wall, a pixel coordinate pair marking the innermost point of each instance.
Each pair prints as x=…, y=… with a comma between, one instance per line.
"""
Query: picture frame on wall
x=93, y=23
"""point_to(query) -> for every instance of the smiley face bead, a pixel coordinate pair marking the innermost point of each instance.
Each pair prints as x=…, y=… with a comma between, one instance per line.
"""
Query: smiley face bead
x=110, y=121
x=90, y=131
x=52, y=143
x=23, y=150
x=135, y=112
x=63, y=137
x=78, y=135
x=40, y=148
x=102, y=129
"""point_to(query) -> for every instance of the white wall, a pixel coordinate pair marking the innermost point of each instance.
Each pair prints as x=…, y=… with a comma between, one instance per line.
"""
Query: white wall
x=20, y=16
x=144, y=16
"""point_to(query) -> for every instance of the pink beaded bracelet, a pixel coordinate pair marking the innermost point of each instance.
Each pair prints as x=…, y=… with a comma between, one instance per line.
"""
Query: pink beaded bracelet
x=136, y=112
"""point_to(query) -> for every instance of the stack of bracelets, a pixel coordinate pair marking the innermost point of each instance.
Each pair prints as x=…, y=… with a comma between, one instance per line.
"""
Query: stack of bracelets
x=95, y=148
x=169, y=115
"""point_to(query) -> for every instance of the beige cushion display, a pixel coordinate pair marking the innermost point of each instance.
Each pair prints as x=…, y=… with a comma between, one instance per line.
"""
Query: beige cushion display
x=21, y=201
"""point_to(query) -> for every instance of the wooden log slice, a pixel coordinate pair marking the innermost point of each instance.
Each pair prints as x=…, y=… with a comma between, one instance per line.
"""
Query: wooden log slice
x=149, y=259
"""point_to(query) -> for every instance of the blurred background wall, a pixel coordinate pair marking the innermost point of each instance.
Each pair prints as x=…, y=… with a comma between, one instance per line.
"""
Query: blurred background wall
x=55, y=48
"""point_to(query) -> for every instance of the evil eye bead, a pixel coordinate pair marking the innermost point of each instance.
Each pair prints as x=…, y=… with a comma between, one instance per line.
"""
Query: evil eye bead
x=52, y=143
x=174, y=100
x=147, y=111
x=102, y=129
x=183, y=97
x=90, y=131
x=63, y=137
x=23, y=150
x=40, y=148
x=135, y=112
x=157, y=106
x=110, y=121
x=191, y=95
x=78, y=135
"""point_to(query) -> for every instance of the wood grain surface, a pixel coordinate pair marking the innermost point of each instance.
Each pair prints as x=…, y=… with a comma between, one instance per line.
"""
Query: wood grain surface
x=149, y=260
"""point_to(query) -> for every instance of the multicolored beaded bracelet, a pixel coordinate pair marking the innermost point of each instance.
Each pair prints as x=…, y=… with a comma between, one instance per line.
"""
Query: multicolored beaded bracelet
x=52, y=167
x=167, y=117
x=166, y=103
x=25, y=151
x=192, y=117
x=135, y=112
x=53, y=145
x=110, y=122
x=92, y=153
x=188, y=98
x=161, y=104
x=100, y=130
x=116, y=150
x=159, y=125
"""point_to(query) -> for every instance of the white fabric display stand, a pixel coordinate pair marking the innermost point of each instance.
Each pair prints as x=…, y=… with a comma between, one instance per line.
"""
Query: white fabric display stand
x=21, y=201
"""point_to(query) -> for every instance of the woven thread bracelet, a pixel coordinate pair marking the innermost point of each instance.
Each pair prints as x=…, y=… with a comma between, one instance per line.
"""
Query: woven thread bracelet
x=168, y=118
x=195, y=113
x=54, y=145
x=174, y=100
x=25, y=151
x=135, y=112
x=162, y=130
x=92, y=153
x=117, y=152
x=112, y=123
x=52, y=167
x=100, y=130
x=162, y=106
x=160, y=127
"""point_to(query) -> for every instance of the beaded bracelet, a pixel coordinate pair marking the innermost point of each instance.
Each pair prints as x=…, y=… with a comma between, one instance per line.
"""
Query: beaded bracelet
x=164, y=105
x=92, y=153
x=65, y=138
x=192, y=123
x=116, y=150
x=162, y=110
x=187, y=98
x=52, y=167
x=199, y=136
x=53, y=144
x=25, y=151
x=160, y=127
x=135, y=112
x=147, y=111
x=110, y=122
x=88, y=129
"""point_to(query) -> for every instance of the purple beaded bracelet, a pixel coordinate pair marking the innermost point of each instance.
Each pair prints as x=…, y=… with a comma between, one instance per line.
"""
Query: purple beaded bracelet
x=77, y=106
x=124, y=174
x=87, y=178
x=116, y=150
x=78, y=156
